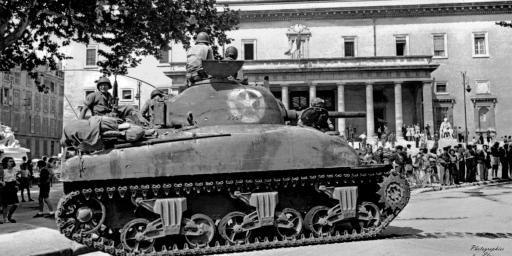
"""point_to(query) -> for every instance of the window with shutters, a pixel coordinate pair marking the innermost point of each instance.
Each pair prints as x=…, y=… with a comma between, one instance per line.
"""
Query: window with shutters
x=440, y=46
x=91, y=55
x=349, y=46
x=480, y=44
x=164, y=56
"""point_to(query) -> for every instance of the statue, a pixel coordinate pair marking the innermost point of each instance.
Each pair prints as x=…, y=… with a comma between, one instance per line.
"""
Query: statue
x=445, y=131
x=7, y=137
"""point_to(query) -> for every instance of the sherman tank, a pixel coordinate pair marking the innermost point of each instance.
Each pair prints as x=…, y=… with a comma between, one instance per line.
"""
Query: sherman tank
x=225, y=174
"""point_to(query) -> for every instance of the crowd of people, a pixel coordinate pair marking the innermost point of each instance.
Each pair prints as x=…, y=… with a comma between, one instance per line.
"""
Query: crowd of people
x=448, y=165
x=15, y=178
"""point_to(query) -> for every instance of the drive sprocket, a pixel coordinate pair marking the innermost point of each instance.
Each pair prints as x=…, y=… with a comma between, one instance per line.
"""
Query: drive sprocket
x=394, y=192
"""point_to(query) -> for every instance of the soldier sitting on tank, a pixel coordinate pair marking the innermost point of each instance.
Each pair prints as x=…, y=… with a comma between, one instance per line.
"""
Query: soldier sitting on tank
x=195, y=56
x=100, y=103
x=316, y=116
x=149, y=105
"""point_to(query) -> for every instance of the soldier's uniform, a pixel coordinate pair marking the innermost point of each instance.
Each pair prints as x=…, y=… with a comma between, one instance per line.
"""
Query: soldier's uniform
x=195, y=56
x=101, y=104
x=148, y=108
x=316, y=116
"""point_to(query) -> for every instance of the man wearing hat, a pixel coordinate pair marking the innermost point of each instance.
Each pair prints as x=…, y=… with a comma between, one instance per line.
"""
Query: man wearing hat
x=147, y=109
x=100, y=104
x=195, y=56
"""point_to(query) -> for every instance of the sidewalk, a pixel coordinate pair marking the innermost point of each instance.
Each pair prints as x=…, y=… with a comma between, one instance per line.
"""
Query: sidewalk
x=438, y=187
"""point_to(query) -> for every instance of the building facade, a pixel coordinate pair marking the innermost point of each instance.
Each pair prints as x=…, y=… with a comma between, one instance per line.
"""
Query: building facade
x=81, y=72
x=399, y=61
x=35, y=115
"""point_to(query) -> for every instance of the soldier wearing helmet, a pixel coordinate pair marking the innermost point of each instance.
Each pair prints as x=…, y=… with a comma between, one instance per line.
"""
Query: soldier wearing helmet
x=100, y=103
x=316, y=116
x=231, y=53
x=195, y=56
x=147, y=110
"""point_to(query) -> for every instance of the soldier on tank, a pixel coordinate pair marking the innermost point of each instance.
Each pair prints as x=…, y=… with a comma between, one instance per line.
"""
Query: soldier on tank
x=316, y=116
x=195, y=56
x=100, y=103
x=147, y=109
x=231, y=54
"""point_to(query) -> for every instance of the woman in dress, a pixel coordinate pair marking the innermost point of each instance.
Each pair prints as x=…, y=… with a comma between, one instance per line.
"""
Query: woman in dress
x=9, y=194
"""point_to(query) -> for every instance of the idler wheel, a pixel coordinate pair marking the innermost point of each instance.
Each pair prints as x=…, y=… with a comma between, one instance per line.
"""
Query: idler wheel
x=202, y=230
x=80, y=215
x=368, y=215
x=316, y=221
x=230, y=228
x=394, y=192
x=289, y=223
x=133, y=237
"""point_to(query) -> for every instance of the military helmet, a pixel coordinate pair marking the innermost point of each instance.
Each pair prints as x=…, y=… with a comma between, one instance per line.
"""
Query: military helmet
x=317, y=102
x=202, y=37
x=103, y=80
x=231, y=52
x=155, y=93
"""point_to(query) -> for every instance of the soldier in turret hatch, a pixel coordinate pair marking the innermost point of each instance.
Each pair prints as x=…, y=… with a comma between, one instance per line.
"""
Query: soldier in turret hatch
x=230, y=54
x=195, y=56
x=100, y=103
x=147, y=109
x=316, y=116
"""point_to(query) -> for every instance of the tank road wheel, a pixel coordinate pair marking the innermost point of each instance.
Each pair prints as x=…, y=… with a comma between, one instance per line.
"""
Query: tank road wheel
x=204, y=226
x=368, y=215
x=394, y=192
x=80, y=215
x=316, y=221
x=132, y=236
x=289, y=223
x=230, y=228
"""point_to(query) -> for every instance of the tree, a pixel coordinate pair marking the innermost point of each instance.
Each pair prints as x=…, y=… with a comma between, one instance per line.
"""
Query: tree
x=33, y=32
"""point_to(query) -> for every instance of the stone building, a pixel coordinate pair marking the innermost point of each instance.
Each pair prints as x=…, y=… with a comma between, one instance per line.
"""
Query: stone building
x=400, y=61
x=81, y=72
x=35, y=116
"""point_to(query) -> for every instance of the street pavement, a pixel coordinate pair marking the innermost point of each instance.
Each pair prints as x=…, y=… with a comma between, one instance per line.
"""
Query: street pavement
x=471, y=220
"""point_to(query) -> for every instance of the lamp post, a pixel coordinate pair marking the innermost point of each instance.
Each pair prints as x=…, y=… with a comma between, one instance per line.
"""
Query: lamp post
x=465, y=88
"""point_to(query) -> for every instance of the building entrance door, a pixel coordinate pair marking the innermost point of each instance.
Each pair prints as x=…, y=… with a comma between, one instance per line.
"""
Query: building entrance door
x=379, y=120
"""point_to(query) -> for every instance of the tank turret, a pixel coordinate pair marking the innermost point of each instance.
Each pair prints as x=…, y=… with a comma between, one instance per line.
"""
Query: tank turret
x=226, y=174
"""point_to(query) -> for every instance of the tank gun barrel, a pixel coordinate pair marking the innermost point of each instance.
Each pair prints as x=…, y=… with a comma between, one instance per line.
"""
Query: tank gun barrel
x=352, y=114
x=291, y=114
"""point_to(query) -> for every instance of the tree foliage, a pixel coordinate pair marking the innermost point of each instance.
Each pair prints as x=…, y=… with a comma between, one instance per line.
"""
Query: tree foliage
x=33, y=32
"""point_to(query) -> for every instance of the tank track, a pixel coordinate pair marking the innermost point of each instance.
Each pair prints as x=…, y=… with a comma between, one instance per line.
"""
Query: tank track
x=91, y=239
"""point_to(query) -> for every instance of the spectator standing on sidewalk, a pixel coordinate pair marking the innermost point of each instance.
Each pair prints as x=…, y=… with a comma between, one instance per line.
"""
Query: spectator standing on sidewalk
x=30, y=171
x=481, y=165
x=471, y=165
x=443, y=164
x=504, y=161
x=10, y=192
x=24, y=180
x=44, y=189
x=495, y=160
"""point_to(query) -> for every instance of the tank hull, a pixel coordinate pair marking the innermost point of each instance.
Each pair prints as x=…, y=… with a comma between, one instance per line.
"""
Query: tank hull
x=245, y=148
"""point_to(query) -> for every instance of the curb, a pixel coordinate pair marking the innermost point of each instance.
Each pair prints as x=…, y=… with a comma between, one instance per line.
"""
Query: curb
x=478, y=183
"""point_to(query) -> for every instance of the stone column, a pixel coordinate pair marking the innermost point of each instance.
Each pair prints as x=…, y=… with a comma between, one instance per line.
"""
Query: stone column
x=399, y=118
x=341, y=108
x=284, y=96
x=312, y=92
x=370, y=122
x=428, y=110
